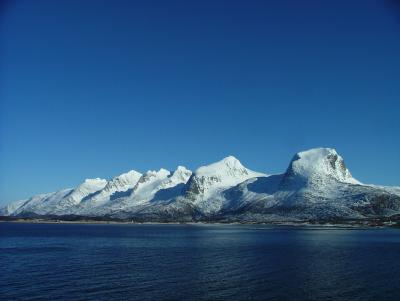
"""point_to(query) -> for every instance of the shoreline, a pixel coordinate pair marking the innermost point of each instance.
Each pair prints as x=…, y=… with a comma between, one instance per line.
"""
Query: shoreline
x=294, y=224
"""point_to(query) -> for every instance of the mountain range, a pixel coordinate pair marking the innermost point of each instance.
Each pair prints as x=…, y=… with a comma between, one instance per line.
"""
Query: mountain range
x=316, y=186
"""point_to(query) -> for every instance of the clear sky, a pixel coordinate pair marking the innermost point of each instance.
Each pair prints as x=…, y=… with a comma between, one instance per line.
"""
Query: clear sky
x=96, y=88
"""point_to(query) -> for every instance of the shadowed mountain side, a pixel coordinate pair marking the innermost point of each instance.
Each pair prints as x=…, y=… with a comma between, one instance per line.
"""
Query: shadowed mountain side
x=251, y=190
x=120, y=194
x=262, y=185
x=88, y=197
x=168, y=193
x=113, y=196
x=268, y=185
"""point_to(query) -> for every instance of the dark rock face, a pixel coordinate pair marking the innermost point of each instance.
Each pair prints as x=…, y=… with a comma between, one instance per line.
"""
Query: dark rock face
x=335, y=158
x=379, y=205
x=194, y=186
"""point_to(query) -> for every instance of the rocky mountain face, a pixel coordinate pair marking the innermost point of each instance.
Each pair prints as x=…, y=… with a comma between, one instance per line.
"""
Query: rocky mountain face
x=316, y=186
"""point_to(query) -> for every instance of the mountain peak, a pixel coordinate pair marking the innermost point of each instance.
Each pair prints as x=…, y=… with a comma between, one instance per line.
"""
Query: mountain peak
x=227, y=164
x=227, y=172
x=160, y=172
x=181, y=168
x=128, y=174
x=230, y=159
x=86, y=188
x=318, y=151
x=151, y=176
x=181, y=172
x=318, y=163
x=91, y=185
x=123, y=182
x=95, y=181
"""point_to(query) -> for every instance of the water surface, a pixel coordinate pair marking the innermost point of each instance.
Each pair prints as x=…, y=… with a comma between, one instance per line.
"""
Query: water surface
x=196, y=262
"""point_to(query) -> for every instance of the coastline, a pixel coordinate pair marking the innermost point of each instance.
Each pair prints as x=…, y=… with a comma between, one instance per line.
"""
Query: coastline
x=353, y=224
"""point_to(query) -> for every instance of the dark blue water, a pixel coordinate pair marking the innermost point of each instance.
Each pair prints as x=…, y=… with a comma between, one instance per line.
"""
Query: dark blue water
x=196, y=262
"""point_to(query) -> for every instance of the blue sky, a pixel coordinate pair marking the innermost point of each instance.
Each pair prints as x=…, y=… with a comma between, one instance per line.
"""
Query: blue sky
x=96, y=88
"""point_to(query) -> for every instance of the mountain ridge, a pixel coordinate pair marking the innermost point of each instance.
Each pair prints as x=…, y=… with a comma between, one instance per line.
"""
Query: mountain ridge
x=316, y=185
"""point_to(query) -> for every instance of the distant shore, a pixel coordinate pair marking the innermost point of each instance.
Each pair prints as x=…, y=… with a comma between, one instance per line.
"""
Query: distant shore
x=373, y=223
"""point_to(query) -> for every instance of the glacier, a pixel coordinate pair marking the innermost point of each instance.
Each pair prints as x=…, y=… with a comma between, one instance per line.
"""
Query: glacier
x=317, y=185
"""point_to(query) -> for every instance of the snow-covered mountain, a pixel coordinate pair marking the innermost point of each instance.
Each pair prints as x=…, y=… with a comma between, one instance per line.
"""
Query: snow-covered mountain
x=206, y=186
x=319, y=164
x=113, y=189
x=316, y=185
x=151, y=186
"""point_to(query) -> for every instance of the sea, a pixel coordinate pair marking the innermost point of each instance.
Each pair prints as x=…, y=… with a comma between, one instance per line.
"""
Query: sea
x=65, y=261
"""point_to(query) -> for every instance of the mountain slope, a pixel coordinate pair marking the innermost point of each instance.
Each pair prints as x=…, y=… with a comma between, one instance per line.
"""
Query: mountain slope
x=316, y=186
